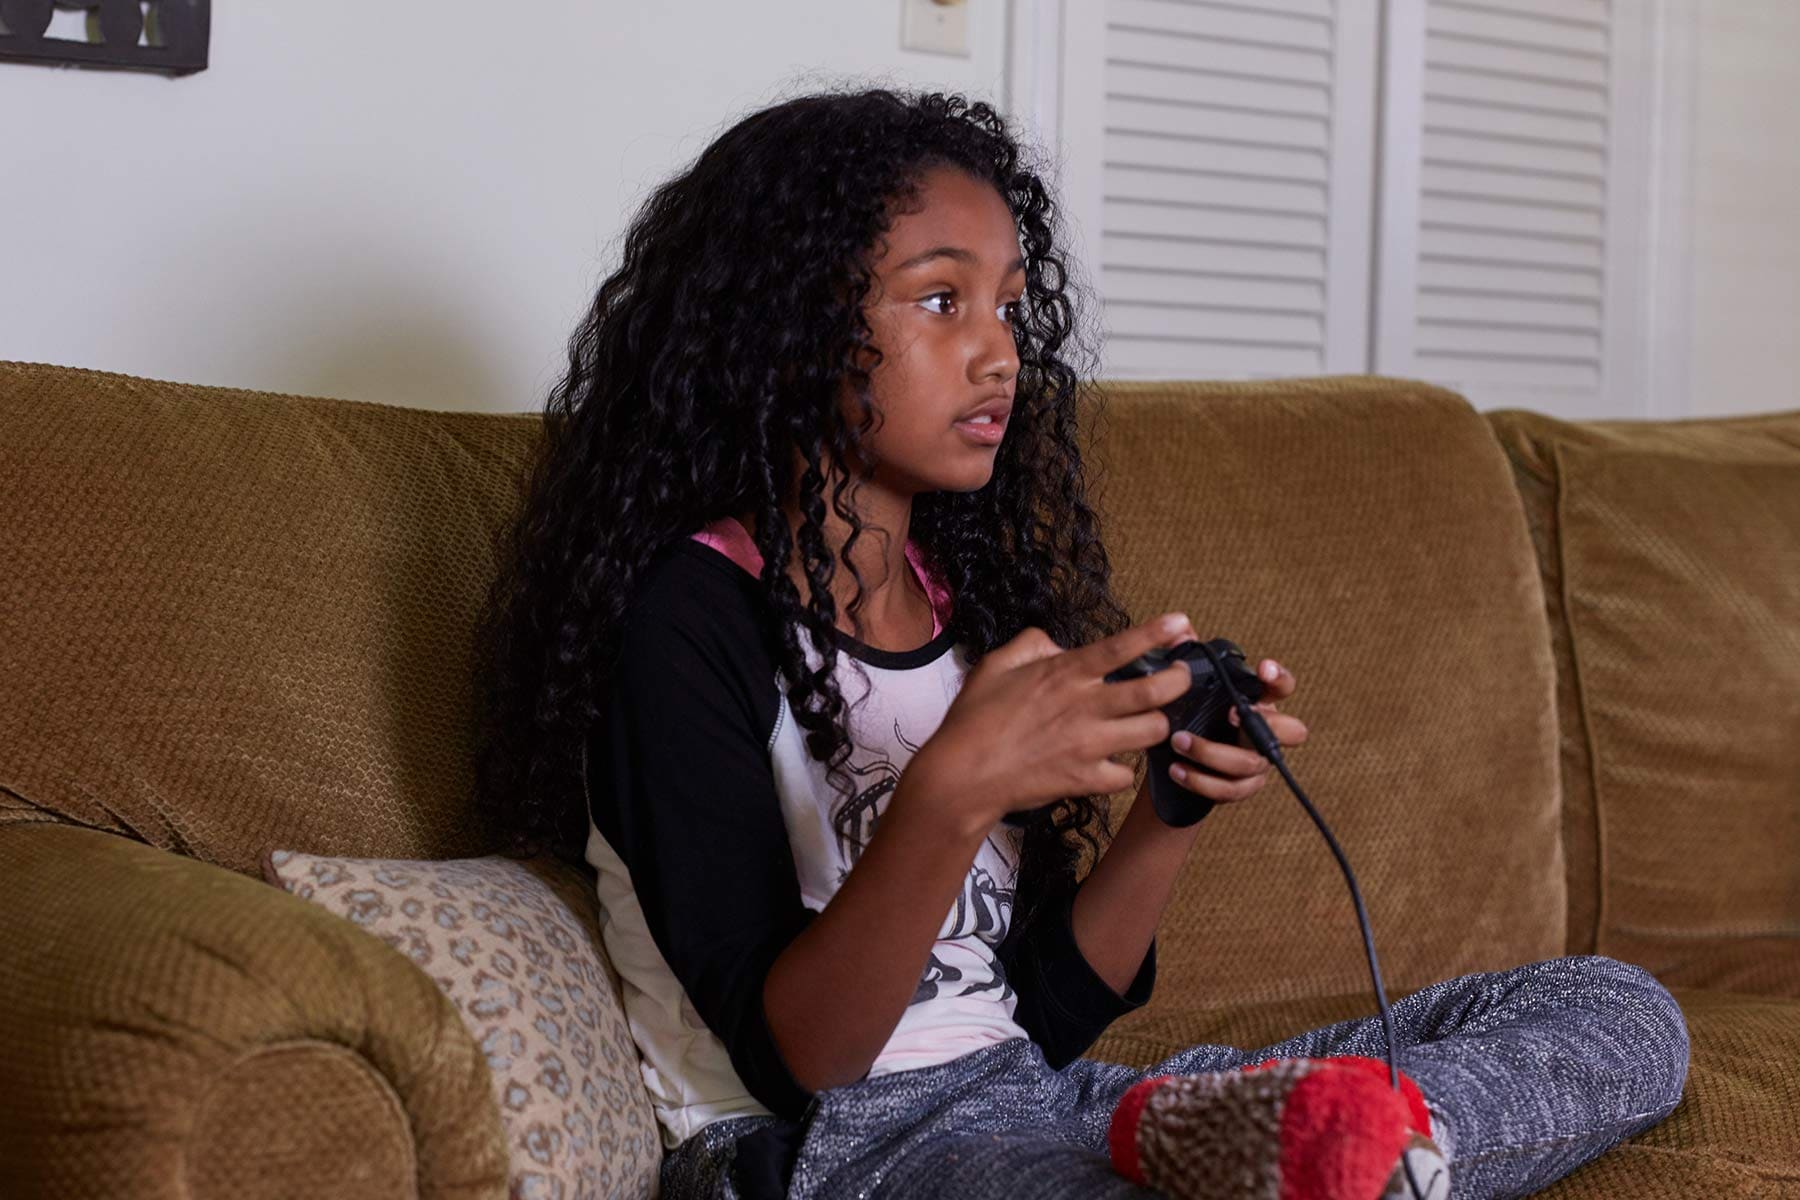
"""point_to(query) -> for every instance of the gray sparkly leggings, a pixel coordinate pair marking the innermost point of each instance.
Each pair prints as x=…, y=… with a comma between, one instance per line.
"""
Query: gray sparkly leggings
x=1529, y=1073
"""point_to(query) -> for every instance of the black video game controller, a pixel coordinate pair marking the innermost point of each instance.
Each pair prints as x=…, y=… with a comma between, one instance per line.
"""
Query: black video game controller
x=1204, y=710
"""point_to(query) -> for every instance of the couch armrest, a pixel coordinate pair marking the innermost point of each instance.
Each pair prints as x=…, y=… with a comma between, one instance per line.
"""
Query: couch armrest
x=169, y=1028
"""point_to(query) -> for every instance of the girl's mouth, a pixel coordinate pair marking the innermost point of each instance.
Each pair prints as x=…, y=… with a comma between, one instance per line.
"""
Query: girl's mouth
x=984, y=432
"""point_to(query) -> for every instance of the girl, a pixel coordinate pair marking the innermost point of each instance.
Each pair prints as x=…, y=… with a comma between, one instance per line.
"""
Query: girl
x=787, y=732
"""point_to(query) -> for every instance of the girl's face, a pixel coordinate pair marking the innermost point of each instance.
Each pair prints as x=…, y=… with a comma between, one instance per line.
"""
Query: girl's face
x=948, y=279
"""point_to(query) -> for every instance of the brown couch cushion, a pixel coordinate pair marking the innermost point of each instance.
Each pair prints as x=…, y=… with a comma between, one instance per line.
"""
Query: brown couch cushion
x=1364, y=532
x=234, y=619
x=1736, y=1132
x=1672, y=555
x=174, y=1030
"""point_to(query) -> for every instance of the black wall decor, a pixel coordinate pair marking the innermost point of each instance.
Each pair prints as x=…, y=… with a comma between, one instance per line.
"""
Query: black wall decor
x=140, y=35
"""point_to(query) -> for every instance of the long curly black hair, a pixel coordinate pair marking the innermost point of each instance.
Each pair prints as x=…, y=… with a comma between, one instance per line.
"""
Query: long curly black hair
x=713, y=358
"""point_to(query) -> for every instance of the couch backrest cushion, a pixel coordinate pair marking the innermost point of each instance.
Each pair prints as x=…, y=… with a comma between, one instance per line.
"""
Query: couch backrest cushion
x=236, y=620
x=1365, y=533
x=239, y=620
x=1671, y=554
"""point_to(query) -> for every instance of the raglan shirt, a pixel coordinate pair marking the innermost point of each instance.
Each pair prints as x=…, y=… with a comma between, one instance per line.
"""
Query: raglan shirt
x=717, y=839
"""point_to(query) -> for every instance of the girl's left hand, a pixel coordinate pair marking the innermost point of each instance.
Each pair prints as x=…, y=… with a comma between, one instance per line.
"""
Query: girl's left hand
x=1246, y=771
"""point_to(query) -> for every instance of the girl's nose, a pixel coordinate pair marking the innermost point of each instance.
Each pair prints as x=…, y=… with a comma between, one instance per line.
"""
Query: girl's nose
x=998, y=355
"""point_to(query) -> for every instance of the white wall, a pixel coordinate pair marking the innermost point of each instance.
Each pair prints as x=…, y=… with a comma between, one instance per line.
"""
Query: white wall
x=421, y=215
x=1746, y=208
x=392, y=202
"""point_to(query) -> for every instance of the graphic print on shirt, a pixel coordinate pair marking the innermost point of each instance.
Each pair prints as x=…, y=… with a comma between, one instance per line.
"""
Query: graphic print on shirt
x=854, y=820
x=983, y=907
x=936, y=972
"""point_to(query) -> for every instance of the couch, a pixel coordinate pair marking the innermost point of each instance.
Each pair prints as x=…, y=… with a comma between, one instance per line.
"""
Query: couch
x=1551, y=672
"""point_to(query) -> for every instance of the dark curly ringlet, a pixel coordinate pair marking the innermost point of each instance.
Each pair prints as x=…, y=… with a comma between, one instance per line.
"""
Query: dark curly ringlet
x=714, y=354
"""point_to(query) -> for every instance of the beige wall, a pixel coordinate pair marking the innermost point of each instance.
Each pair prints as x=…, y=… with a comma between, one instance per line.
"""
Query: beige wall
x=396, y=201
x=1746, y=208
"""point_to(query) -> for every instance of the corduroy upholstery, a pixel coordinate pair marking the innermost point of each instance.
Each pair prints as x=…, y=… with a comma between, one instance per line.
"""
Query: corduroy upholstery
x=231, y=621
x=1348, y=528
x=175, y=1030
x=1671, y=552
x=243, y=619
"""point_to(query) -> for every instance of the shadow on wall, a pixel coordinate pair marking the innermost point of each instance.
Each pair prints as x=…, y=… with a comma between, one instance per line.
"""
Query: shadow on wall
x=369, y=340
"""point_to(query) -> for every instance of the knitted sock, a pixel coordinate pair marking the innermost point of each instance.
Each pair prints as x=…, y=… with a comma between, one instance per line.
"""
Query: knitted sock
x=1290, y=1129
x=1425, y=1118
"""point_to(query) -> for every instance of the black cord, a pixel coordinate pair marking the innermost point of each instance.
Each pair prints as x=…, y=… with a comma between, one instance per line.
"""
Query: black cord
x=1270, y=748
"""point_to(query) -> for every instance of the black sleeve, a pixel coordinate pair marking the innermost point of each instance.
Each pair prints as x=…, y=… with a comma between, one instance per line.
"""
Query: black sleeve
x=1063, y=1003
x=683, y=790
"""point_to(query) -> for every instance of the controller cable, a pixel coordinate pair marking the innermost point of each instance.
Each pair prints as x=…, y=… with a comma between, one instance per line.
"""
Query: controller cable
x=1267, y=745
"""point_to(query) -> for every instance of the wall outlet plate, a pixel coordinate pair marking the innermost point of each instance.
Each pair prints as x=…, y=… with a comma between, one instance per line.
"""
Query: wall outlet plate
x=935, y=26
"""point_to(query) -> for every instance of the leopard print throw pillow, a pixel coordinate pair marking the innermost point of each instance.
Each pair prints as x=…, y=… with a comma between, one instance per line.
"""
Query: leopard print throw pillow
x=516, y=945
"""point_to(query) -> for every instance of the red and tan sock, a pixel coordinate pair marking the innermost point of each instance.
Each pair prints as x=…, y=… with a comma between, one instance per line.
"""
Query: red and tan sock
x=1288, y=1129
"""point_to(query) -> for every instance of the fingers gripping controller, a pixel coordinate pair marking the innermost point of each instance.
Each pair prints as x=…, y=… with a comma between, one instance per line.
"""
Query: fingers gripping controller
x=1219, y=680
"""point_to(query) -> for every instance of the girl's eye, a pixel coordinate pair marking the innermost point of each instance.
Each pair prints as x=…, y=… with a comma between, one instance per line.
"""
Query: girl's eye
x=1009, y=310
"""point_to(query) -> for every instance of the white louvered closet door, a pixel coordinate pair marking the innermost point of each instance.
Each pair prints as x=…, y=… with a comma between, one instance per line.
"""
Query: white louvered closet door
x=1511, y=247
x=1220, y=169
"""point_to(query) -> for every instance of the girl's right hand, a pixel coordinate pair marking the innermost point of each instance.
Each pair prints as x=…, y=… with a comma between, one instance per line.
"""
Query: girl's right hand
x=1034, y=722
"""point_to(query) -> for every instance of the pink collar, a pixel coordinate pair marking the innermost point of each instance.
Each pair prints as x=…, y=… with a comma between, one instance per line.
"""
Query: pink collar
x=728, y=536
